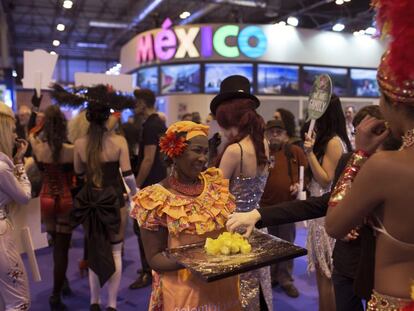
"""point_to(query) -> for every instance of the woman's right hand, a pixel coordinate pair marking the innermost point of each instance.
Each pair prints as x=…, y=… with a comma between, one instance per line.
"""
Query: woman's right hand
x=370, y=134
x=309, y=143
x=247, y=221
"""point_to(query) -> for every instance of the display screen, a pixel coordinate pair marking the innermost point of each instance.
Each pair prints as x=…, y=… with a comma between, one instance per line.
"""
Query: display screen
x=148, y=79
x=6, y=95
x=180, y=79
x=278, y=79
x=364, y=83
x=338, y=76
x=217, y=72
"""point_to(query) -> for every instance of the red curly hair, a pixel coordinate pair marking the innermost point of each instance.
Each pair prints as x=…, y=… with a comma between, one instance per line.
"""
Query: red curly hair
x=241, y=114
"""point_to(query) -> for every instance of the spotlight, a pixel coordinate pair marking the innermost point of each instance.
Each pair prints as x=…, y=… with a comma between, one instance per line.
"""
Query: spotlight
x=67, y=4
x=60, y=27
x=184, y=15
x=56, y=42
x=14, y=73
x=52, y=53
x=292, y=21
x=338, y=27
x=339, y=2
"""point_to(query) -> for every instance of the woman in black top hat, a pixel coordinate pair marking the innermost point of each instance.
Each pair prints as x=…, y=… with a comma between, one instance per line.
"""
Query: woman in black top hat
x=245, y=162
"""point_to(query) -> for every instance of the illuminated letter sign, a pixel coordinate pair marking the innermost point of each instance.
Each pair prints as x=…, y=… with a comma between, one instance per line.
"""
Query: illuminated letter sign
x=219, y=41
x=187, y=42
x=246, y=48
x=206, y=41
x=145, y=52
x=165, y=42
x=181, y=42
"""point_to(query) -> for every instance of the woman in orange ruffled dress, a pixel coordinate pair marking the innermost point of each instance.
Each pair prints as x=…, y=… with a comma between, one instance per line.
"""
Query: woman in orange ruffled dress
x=186, y=207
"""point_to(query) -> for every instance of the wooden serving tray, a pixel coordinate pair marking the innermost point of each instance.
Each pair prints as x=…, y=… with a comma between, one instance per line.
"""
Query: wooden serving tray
x=266, y=250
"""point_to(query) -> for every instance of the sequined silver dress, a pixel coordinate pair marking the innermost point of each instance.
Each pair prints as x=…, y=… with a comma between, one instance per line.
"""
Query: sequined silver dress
x=319, y=244
x=248, y=191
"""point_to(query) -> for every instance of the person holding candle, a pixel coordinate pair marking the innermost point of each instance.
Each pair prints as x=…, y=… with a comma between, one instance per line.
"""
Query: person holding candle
x=282, y=185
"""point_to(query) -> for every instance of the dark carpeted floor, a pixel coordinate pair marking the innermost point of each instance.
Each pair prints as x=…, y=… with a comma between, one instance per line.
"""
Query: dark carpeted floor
x=137, y=300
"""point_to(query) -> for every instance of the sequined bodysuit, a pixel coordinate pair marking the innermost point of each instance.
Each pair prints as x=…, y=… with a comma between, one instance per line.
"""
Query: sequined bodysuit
x=248, y=192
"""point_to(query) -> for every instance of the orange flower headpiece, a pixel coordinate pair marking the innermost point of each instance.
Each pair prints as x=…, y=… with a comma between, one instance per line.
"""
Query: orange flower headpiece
x=174, y=142
x=396, y=71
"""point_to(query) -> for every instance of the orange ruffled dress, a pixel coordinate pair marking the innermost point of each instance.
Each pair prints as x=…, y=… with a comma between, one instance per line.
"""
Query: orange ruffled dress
x=189, y=220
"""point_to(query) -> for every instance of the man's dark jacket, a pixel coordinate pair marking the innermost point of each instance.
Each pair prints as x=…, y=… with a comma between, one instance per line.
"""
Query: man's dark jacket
x=354, y=259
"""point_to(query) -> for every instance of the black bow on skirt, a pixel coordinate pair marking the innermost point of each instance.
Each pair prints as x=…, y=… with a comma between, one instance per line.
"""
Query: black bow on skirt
x=97, y=209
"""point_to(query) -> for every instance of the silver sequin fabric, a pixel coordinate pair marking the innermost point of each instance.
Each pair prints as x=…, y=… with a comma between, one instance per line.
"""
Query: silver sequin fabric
x=247, y=192
x=319, y=244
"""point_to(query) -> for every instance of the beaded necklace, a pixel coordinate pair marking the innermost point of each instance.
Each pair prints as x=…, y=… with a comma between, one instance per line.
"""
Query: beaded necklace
x=194, y=189
x=408, y=139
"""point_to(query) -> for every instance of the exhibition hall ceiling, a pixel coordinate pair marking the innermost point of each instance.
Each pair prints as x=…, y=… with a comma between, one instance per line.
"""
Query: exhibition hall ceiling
x=96, y=29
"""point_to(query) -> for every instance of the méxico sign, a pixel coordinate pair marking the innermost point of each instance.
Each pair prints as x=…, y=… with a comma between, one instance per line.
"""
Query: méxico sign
x=229, y=41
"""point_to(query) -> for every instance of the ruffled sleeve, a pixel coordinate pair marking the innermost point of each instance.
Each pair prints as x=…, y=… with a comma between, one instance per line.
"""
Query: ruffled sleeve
x=147, y=207
x=155, y=206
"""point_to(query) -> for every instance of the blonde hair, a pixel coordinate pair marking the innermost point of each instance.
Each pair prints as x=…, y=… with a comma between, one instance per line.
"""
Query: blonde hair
x=6, y=134
x=78, y=127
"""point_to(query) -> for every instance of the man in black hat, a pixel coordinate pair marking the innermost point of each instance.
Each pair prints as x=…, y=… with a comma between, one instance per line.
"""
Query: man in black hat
x=282, y=186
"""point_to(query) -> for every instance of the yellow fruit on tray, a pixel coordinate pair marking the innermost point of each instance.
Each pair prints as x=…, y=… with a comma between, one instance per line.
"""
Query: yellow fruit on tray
x=227, y=243
x=246, y=248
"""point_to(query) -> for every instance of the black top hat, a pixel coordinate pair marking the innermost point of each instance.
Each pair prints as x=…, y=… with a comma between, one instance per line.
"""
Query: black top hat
x=233, y=87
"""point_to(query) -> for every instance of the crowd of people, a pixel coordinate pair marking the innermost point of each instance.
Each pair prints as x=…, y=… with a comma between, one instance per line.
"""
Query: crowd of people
x=189, y=181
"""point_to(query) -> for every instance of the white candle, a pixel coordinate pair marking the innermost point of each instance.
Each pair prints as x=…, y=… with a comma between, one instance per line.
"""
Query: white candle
x=301, y=177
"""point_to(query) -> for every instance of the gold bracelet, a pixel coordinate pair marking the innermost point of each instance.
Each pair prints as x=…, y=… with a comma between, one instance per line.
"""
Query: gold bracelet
x=344, y=183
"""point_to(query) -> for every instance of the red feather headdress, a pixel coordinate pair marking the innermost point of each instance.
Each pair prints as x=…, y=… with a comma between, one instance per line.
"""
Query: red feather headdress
x=396, y=71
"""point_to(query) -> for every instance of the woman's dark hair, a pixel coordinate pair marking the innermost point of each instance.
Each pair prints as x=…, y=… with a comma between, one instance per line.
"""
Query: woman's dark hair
x=289, y=121
x=331, y=124
x=371, y=110
x=147, y=96
x=97, y=114
x=241, y=114
x=55, y=130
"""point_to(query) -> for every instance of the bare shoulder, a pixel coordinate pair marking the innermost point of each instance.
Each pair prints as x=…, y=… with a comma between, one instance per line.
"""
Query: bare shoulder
x=334, y=147
x=232, y=150
x=115, y=138
x=382, y=164
x=335, y=142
